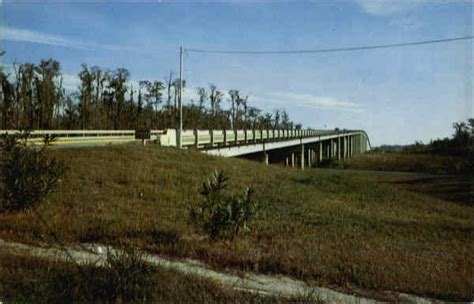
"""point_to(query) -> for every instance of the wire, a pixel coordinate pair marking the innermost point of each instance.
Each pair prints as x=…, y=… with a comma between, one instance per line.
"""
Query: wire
x=355, y=48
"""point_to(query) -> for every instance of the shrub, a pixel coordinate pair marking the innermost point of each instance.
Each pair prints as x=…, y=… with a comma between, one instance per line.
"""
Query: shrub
x=29, y=174
x=128, y=277
x=220, y=215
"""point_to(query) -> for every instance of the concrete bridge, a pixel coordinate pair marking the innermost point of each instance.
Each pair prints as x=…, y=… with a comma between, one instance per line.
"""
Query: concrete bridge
x=293, y=147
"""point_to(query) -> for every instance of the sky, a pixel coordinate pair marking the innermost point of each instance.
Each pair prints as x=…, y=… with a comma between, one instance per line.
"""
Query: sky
x=397, y=95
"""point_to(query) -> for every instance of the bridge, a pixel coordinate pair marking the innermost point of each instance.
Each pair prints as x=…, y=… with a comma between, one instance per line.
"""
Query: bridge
x=293, y=147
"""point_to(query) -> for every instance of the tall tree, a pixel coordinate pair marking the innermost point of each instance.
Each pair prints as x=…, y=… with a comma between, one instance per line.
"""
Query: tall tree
x=47, y=94
x=86, y=95
x=234, y=99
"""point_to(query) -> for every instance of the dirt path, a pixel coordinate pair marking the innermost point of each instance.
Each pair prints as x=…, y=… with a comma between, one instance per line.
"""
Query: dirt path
x=256, y=283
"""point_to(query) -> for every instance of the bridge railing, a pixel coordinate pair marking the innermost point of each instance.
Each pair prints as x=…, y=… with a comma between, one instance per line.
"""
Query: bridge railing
x=212, y=138
x=72, y=137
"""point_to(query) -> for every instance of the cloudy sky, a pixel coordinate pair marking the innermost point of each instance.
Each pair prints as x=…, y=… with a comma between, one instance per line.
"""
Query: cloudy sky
x=397, y=95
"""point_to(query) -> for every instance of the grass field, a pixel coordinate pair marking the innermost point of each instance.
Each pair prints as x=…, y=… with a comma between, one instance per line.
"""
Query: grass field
x=440, y=176
x=336, y=229
x=409, y=162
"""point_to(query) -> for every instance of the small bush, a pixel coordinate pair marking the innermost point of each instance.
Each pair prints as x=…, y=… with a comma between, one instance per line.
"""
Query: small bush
x=128, y=277
x=220, y=215
x=29, y=174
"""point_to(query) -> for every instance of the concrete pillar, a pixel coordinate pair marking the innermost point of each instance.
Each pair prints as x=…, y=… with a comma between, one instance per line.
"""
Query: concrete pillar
x=309, y=157
x=266, y=158
x=351, y=146
x=302, y=157
x=343, y=147
x=333, y=148
x=359, y=144
x=292, y=159
x=287, y=161
x=348, y=152
x=338, y=148
x=320, y=152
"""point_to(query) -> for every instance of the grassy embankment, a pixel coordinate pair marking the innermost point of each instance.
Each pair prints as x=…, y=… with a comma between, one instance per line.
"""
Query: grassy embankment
x=329, y=228
x=408, y=162
x=440, y=176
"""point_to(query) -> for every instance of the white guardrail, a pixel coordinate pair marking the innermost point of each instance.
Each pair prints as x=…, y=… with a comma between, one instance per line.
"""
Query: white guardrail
x=168, y=137
x=78, y=137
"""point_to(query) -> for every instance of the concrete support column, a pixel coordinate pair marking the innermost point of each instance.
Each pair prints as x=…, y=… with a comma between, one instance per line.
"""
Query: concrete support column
x=287, y=161
x=346, y=147
x=266, y=158
x=338, y=148
x=302, y=157
x=320, y=152
x=351, y=146
x=292, y=159
x=343, y=147
x=358, y=145
x=309, y=157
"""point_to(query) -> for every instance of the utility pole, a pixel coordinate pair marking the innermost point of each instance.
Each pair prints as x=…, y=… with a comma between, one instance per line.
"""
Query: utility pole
x=180, y=131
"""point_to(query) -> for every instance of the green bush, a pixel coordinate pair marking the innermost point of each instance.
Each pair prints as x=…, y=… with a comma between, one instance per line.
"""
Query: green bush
x=29, y=174
x=128, y=277
x=222, y=216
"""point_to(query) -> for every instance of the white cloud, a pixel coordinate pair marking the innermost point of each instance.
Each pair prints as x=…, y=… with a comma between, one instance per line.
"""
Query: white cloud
x=23, y=35
x=388, y=7
x=289, y=99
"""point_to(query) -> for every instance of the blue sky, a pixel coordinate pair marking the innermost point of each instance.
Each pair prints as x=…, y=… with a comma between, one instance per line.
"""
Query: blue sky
x=397, y=95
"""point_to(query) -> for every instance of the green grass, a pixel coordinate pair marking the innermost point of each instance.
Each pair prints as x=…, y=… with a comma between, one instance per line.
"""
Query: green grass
x=331, y=229
x=408, y=162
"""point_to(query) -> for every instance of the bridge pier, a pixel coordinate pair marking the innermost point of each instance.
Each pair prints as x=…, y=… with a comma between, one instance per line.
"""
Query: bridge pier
x=320, y=152
x=309, y=157
x=338, y=148
x=302, y=157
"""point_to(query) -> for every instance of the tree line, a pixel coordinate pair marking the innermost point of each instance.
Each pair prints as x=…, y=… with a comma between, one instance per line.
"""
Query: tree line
x=460, y=143
x=33, y=97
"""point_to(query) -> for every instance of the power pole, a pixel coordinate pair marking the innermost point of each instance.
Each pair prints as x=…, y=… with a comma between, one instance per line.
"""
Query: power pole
x=180, y=131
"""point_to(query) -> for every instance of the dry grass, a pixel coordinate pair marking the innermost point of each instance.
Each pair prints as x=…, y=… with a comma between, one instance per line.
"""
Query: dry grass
x=30, y=280
x=335, y=229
